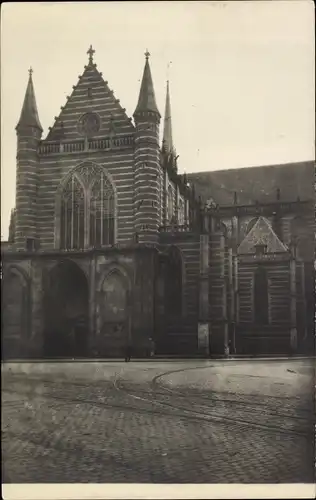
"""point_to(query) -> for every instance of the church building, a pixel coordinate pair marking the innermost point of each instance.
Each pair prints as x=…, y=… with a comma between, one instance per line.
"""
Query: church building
x=110, y=246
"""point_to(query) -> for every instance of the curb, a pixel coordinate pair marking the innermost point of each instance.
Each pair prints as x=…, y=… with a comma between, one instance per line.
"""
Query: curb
x=156, y=359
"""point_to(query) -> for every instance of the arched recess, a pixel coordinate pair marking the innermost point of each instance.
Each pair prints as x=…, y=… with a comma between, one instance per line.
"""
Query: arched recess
x=174, y=281
x=113, y=311
x=66, y=311
x=86, y=208
x=297, y=226
x=305, y=248
x=303, y=239
x=16, y=312
x=223, y=228
x=261, y=296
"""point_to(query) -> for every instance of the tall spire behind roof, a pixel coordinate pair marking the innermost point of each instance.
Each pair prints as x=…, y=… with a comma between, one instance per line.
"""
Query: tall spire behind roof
x=29, y=114
x=147, y=100
x=167, y=129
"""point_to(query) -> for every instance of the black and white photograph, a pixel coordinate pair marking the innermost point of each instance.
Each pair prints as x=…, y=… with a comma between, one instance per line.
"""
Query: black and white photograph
x=158, y=249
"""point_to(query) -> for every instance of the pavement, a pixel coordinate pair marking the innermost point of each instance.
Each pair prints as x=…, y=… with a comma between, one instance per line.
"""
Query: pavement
x=185, y=421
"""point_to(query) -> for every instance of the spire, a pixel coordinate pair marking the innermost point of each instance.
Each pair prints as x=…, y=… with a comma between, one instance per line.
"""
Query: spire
x=29, y=114
x=167, y=129
x=147, y=100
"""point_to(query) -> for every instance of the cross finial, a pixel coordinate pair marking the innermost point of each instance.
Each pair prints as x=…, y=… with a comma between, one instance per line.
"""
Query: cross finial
x=147, y=54
x=90, y=53
x=30, y=71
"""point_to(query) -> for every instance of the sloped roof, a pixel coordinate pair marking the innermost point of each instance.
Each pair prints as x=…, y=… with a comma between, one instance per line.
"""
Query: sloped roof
x=147, y=99
x=257, y=183
x=261, y=234
x=91, y=94
x=29, y=114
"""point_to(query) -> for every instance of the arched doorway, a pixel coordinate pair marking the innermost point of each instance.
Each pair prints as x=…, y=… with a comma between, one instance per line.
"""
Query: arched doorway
x=66, y=301
x=113, y=314
x=15, y=309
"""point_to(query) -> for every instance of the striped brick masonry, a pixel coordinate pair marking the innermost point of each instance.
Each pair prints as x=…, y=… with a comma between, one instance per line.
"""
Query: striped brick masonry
x=110, y=145
x=29, y=131
x=147, y=162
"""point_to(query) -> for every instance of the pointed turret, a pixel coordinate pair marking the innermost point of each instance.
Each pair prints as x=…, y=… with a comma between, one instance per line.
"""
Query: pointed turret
x=167, y=129
x=29, y=114
x=147, y=162
x=147, y=99
x=29, y=132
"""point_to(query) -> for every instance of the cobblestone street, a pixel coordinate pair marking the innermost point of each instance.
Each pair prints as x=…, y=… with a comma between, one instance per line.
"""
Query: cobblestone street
x=235, y=421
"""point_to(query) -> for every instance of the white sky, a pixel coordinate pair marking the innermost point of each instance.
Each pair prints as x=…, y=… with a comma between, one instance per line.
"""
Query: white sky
x=241, y=79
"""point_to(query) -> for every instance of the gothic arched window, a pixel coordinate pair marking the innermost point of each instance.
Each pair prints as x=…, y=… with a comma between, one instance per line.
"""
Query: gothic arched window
x=87, y=209
x=72, y=214
x=261, y=296
x=15, y=307
x=181, y=215
x=101, y=212
x=304, y=239
x=170, y=208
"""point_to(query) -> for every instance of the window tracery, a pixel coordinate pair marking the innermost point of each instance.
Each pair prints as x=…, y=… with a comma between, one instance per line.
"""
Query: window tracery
x=87, y=209
x=181, y=215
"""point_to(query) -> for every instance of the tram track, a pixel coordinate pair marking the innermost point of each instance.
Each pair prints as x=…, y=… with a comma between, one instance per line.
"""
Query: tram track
x=154, y=398
x=158, y=394
x=247, y=403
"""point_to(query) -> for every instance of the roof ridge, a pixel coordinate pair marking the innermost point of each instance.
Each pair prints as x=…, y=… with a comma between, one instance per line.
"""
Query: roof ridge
x=301, y=163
